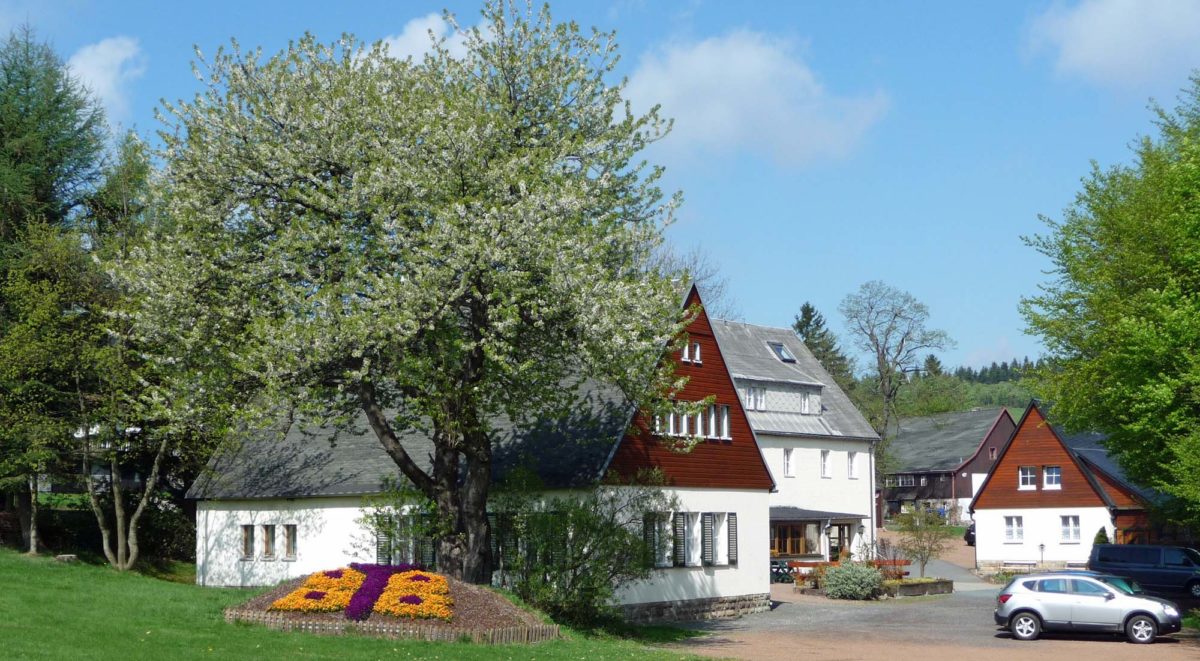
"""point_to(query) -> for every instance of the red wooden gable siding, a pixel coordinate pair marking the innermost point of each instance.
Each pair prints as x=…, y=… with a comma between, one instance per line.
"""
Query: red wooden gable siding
x=1035, y=444
x=1120, y=496
x=735, y=464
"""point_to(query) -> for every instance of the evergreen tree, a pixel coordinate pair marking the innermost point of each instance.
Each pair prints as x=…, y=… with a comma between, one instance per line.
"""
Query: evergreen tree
x=810, y=328
x=933, y=366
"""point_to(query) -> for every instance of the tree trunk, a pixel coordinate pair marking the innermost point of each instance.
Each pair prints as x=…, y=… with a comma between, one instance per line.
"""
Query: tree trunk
x=33, y=514
x=114, y=474
x=147, y=492
x=101, y=520
x=477, y=558
x=23, y=508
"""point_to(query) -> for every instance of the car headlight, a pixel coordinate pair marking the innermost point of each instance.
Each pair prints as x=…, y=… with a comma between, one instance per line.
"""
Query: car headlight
x=1170, y=610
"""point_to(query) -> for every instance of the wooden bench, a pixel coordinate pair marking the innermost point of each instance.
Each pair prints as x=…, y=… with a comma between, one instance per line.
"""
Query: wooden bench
x=1024, y=566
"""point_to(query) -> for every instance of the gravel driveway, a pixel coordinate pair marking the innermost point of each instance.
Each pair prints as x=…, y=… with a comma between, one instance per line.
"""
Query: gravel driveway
x=921, y=628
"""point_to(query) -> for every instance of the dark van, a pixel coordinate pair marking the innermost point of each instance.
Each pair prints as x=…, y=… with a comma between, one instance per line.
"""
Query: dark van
x=1157, y=568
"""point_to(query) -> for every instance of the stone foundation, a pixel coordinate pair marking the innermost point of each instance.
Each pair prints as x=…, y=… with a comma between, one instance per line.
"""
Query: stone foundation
x=711, y=608
x=988, y=567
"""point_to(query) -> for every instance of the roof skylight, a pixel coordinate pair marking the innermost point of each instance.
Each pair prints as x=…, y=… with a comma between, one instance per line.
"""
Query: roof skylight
x=781, y=352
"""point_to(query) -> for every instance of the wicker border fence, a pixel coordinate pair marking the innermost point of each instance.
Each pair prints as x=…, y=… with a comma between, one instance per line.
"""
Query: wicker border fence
x=502, y=635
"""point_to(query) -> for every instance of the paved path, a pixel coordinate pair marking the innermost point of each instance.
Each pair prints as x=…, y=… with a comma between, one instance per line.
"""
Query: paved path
x=953, y=626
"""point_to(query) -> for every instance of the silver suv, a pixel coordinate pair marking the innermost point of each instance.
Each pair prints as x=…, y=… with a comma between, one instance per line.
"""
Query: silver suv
x=1083, y=601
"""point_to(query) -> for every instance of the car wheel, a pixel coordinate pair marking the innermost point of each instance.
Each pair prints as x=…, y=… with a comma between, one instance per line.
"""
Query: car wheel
x=1025, y=626
x=1141, y=629
x=1193, y=589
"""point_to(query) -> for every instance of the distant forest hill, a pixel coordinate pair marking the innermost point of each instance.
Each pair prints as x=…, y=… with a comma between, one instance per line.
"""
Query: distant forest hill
x=1005, y=371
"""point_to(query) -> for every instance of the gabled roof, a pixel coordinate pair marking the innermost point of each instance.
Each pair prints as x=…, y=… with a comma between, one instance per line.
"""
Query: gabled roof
x=301, y=460
x=1086, y=450
x=941, y=442
x=749, y=357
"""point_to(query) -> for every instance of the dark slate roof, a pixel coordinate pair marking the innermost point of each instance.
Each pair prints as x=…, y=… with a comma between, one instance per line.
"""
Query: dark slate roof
x=939, y=442
x=1089, y=446
x=798, y=514
x=744, y=348
x=300, y=460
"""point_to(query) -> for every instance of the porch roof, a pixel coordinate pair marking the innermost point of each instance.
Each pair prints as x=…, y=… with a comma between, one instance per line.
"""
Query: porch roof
x=799, y=514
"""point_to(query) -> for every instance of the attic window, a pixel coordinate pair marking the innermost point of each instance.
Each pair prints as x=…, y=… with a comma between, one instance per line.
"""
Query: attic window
x=781, y=352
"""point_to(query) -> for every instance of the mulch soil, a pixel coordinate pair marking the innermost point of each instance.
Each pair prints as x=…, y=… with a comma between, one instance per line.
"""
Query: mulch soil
x=475, y=607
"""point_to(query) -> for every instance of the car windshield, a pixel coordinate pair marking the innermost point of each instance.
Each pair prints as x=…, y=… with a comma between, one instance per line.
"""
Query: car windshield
x=1128, y=586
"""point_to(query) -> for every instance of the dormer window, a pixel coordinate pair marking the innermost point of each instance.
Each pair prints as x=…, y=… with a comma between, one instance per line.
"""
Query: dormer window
x=781, y=352
x=691, y=353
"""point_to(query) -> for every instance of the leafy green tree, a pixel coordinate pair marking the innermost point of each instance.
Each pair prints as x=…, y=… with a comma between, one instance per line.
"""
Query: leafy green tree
x=1121, y=318
x=431, y=245
x=810, y=327
x=51, y=136
x=924, y=536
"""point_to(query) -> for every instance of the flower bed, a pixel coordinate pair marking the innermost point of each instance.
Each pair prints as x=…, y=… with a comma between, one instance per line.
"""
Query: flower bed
x=362, y=589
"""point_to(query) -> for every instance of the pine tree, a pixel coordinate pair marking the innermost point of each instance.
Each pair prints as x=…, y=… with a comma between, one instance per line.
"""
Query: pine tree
x=810, y=327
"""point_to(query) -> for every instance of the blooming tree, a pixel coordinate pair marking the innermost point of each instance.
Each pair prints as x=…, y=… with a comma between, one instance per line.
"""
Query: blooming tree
x=430, y=244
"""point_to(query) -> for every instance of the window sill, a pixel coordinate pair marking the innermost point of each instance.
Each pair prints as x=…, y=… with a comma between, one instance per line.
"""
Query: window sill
x=1026, y=488
x=1053, y=487
x=1069, y=543
x=291, y=559
x=786, y=475
x=270, y=559
x=244, y=559
x=1016, y=543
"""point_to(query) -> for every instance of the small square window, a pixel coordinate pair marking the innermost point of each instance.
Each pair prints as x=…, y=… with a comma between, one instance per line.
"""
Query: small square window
x=1014, y=531
x=1027, y=477
x=781, y=352
x=1070, y=529
x=1052, y=477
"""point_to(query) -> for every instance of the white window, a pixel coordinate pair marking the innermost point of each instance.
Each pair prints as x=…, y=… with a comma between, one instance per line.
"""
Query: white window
x=1014, y=531
x=1028, y=476
x=825, y=470
x=698, y=419
x=924, y=480
x=725, y=422
x=889, y=480
x=804, y=401
x=1070, y=529
x=683, y=424
x=696, y=352
x=686, y=355
x=789, y=468
x=694, y=540
x=907, y=481
x=720, y=539
x=289, y=541
x=268, y=542
x=852, y=465
x=712, y=422
x=662, y=538
x=781, y=352
x=1052, y=477
x=247, y=542
x=756, y=398
x=671, y=430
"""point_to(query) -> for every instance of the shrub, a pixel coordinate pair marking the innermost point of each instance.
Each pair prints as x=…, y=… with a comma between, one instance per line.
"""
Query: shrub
x=1101, y=536
x=852, y=581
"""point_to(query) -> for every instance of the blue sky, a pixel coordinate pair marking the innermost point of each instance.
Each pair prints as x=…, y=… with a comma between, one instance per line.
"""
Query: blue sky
x=818, y=145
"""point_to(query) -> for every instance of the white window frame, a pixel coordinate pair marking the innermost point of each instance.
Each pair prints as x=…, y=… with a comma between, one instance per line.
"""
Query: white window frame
x=852, y=465
x=664, y=541
x=756, y=398
x=1070, y=528
x=924, y=480
x=686, y=354
x=683, y=424
x=1027, y=478
x=291, y=541
x=720, y=539
x=712, y=422
x=789, y=466
x=725, y=433
x=826, y=469
x=694, y=540
x=671, y=424
x=696, y=353
x=907, y=480
x=698, y=420
x=1014, y=530
x=1057, y=483
x=804, y=406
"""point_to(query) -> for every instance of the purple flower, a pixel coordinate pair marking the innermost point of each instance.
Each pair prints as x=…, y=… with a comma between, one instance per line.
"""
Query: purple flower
x=363, y=601
x=420, y=578
x=411, y=599
x=315, y=594
x=336, y=573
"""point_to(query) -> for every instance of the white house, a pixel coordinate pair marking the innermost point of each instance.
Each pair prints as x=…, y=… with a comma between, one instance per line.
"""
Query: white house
x=1047, y=496
x=818, y=446
x=287, y=502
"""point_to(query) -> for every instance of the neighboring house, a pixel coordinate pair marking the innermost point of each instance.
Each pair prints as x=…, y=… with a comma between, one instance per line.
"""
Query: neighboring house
x=1047, y=496
x=940, y=461
x=819, y=447
x=288, y=502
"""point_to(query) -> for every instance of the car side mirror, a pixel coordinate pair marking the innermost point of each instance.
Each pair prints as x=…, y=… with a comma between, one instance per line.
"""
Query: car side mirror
x=1108, y=596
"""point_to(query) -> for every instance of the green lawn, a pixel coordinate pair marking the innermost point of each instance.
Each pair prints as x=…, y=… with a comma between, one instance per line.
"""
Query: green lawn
x=55, y=610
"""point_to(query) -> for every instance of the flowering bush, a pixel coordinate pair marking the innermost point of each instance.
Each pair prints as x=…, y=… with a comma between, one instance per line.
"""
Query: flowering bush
x=323, y=592
x=416, y=594
x=852, y=580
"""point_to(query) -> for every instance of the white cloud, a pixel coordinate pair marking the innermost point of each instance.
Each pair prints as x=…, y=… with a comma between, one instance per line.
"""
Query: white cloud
x=1125, y=44
x=107, y=68
x=414, y=39
x=746, y=91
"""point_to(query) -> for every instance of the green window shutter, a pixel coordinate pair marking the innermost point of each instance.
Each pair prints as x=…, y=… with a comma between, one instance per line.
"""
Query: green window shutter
x=649, y=533
x=680, y=536
x=706, y=537
x=732, y=523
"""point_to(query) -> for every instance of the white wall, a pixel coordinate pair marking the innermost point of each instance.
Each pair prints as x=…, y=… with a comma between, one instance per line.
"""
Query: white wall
x=752, y=574
x=1041, y=526
x=328, y=536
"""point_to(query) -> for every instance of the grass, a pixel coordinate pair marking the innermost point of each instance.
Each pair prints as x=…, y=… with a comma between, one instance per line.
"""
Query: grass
x=1191, y=619
x=64, y=501
x=59, y=610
